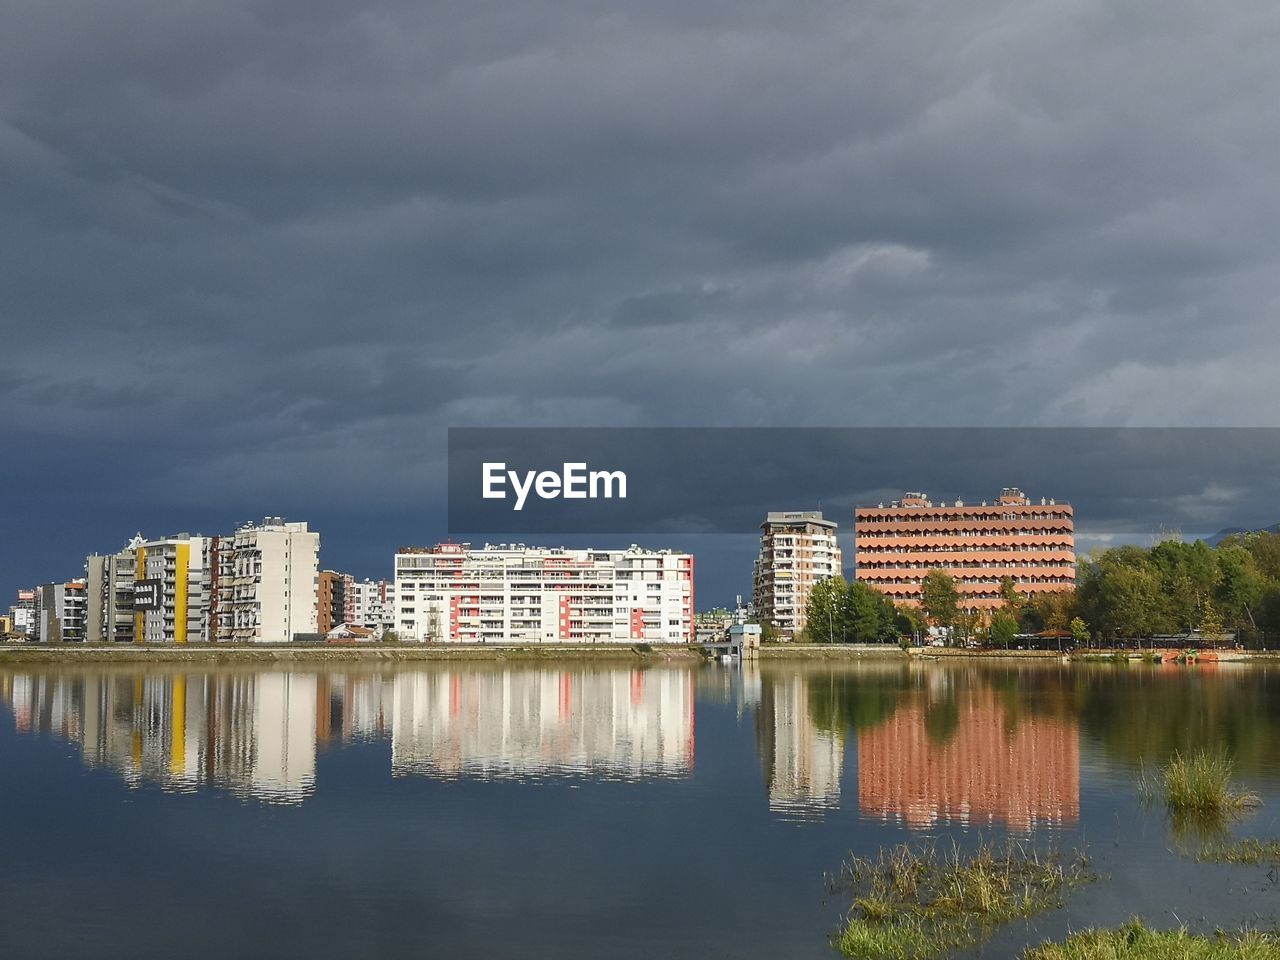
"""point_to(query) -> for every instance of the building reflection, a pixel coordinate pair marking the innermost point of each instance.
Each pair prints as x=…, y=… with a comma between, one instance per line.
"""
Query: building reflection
x=252, y=734
x=258, y=734
x=980, y=764
x=802, y=762
x=487, y=724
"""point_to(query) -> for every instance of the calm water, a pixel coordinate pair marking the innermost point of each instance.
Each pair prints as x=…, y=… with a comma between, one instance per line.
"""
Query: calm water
x=540, y=812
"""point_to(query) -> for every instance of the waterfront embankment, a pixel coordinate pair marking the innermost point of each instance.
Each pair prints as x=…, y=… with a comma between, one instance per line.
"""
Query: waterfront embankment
x=605, y=653
x=394, y=653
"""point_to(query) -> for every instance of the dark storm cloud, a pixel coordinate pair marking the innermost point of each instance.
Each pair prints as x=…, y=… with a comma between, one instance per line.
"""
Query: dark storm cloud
x=253, y=242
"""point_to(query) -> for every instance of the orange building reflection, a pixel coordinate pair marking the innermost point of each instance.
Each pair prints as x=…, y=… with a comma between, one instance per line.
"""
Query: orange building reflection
x=989, y=770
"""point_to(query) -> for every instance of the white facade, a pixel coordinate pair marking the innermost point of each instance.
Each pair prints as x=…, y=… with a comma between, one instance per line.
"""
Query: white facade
x=268, y=579
x=453, y=592
x=374, y=605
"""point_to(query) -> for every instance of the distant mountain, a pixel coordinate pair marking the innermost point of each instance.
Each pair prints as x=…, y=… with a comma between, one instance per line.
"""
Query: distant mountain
x=1221, y=535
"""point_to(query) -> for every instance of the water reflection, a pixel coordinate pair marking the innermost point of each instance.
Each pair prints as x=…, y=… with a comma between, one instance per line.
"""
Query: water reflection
x=487, y=724
x=253, y=734
x=257, y=734
x=983, y=767
x=927, y=744
x=802, y=760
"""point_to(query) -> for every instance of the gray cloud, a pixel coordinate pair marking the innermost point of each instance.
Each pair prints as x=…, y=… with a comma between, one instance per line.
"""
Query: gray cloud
x=246, y=242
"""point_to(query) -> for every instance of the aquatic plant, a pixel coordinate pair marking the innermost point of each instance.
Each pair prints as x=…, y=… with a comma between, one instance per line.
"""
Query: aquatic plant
x=1134, y=941
x=914, y=902
x=1198, y=784
x=1246, y=852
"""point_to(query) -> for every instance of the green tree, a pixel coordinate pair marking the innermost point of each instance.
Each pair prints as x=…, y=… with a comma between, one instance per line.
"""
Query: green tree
x=1121, y=594
x=940, y=599
x=1004, y=628
x=869, y=615
x=1079, y=632
x=1211, y=624
x=1013, y=600
x=1264, y=547
x=908, y=620
x=1241, y=586
x=825, y=610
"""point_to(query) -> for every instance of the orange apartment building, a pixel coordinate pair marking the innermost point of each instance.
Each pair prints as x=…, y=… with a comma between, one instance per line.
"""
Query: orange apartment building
x=979, y=545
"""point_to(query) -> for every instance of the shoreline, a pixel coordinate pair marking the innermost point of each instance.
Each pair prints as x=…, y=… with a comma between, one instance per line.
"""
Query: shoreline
x=611, y=653
x=413, y=653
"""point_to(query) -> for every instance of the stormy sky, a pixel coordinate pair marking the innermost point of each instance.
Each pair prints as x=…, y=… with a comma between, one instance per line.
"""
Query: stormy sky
x=258, y=256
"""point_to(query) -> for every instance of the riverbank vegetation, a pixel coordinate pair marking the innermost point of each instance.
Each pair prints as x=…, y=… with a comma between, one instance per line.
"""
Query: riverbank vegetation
x=1249, y=851
x=1123, y=595
x=1134, y=941
x=1198, y=784
x=914, y=902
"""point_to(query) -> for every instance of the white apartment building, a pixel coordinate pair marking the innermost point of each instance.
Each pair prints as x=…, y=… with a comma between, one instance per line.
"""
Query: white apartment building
x=268, y=577
x=374, y=604
x=798, y=548
x=456, y=593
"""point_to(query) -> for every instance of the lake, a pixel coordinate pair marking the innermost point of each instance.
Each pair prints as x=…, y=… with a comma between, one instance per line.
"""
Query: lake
x=582, y=811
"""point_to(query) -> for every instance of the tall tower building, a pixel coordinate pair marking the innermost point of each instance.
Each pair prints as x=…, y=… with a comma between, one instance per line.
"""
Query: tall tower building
x=797, y=550
x=1033, y=543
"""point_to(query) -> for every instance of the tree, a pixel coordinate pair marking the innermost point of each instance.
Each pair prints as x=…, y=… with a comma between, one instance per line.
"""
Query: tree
x=908, y=620
x=940, y=599
x=1013, y=600
x=1211, y=624
x=768, y=633
x=1004, y=628
x=869, y=615
x=1121, y=594
x=1079, y=632
x=1241, y=585
x=825, y=610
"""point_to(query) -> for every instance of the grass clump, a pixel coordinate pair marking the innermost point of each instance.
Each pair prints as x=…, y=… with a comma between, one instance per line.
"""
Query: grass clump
x=1199, y=784
x=918, y=902
x=1247, y=852
x=1134, y=941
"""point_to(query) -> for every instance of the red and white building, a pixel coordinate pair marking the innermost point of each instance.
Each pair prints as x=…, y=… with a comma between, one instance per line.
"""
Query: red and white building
x=454, y=592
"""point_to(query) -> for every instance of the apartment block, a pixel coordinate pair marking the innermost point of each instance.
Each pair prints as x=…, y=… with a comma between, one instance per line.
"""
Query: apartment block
x=59, y=612
x=110, y=578
x=267, y=582
x=153, y=591
x=456, y=593
x=1033, y=543
x=374, y=604
x=798, y=548
x=336, y=601
x=22, y=614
